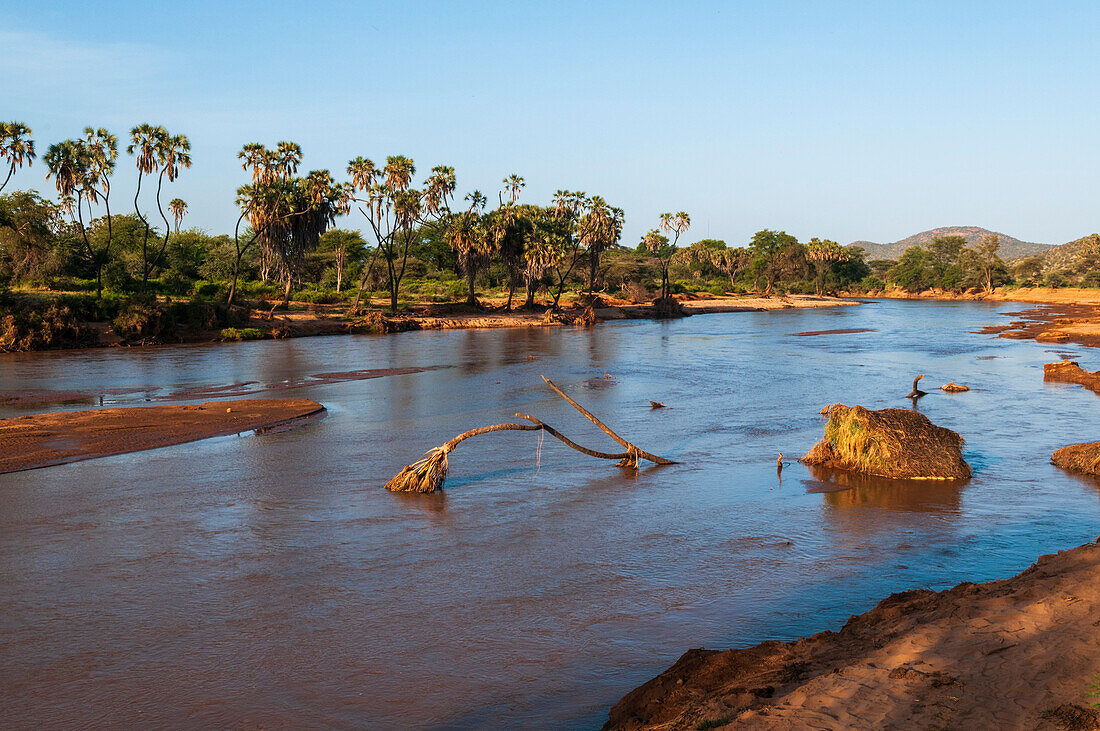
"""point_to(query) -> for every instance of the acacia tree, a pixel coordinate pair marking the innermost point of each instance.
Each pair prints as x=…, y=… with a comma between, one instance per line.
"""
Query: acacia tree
x=599, y=229
x=345, y=247
x=82, y=170
x=989, y=263
x=768, y=252
x=822, y=255
x=16, y=147
x=396, y=211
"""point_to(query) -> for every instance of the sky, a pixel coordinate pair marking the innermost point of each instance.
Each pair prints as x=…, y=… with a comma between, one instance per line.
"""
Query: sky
x=842, y=120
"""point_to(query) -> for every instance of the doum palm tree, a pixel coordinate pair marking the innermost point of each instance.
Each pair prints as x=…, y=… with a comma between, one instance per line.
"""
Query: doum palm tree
x=178, y=207
x=16, y=147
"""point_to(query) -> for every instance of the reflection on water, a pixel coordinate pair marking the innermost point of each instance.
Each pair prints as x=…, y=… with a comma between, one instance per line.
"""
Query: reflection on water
x=270, y=581
x=842, y=489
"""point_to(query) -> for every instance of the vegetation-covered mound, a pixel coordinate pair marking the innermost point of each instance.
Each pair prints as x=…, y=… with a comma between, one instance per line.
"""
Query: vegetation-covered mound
x=1070, y=371
x=894, y=443
x=1081, y=458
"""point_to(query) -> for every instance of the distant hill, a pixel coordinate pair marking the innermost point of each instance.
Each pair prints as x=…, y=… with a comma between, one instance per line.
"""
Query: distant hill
x=1011, y=248
x=1065, y=255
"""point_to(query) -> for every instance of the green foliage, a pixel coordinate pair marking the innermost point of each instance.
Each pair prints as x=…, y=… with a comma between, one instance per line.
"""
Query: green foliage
x=27, y=325
x=235, y=334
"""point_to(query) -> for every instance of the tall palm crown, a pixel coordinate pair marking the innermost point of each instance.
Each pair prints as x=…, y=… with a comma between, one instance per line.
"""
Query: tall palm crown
x=147, y=144
x=100, y=149
x=175, y=154
x=513, y=184
x=66, y=162
x=16, y=147
x=674, y=224
x=178, y=206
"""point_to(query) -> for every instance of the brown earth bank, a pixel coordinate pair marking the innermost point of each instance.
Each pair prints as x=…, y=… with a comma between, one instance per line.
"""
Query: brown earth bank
x=1070, y=371
x=1070, y=315
x=305, y=320
x=1013, y=654
x=29, y=442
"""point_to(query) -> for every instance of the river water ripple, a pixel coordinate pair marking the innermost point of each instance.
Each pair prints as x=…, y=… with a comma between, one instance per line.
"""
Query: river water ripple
x=270, y=581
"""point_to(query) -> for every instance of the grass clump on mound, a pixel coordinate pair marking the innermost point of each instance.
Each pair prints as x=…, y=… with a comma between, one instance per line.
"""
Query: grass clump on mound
x=235, y=334
x=1081, y=458
x=894, y=443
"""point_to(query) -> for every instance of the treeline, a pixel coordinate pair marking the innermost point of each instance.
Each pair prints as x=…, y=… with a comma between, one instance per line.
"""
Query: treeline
x=413, y=243
x=948, y=264
x=407, y=241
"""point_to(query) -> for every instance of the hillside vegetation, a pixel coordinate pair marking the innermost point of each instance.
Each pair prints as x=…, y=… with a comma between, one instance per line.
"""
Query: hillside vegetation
x=1011, y=248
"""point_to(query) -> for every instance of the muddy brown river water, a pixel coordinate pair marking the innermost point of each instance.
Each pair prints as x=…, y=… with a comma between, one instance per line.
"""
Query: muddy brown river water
x=269, y=581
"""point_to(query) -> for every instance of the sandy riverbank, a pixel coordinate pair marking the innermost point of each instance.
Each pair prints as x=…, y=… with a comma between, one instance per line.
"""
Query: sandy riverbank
x=1018, y=653
x=428, y=317
x=1060, y=315
x=43, y=440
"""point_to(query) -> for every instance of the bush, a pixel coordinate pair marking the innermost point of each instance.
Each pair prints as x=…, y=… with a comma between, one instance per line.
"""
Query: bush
x=206, y=288
x=238, y=334
x=871, y=283
x=139, y=318
x=37, y=328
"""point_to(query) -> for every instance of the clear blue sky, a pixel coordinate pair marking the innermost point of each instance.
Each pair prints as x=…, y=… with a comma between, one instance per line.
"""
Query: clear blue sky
x=846, y=120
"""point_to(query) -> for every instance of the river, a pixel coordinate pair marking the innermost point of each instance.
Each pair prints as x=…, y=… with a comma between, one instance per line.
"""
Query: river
x=269, y=580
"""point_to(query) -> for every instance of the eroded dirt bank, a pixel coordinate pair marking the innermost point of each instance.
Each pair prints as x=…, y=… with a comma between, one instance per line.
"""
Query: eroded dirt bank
x=1018, y=653
x=29, y=442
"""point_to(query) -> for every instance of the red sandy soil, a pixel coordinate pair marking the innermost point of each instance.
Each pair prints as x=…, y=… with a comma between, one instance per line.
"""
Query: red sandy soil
x=1012, y=654
x=1062, y=316
x=1070, y=371
x=243, y=388
x=30, y=442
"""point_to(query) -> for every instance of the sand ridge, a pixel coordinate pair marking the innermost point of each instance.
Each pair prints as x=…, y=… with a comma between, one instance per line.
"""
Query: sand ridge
x=1013, y=654
x=30, y=442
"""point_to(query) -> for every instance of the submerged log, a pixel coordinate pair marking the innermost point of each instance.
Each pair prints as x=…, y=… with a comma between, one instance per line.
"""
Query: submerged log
x=429, y=472
x=894, y=443
x=954, y=387
x=916, y=392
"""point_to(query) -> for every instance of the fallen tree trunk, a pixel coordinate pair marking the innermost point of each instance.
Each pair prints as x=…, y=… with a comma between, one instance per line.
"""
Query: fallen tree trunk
x=429, y=472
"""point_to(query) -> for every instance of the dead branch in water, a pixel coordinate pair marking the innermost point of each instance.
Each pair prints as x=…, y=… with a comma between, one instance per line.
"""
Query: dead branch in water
x=429, y=472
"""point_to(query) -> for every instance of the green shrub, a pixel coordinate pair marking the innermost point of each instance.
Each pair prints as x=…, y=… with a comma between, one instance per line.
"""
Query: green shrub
x=139, y=318
x=234, y=334
x=206, y=288
x=36, y=328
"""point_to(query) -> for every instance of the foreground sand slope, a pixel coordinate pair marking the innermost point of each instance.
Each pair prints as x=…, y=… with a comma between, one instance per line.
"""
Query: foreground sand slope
x=27, y=442
x=1012, y=654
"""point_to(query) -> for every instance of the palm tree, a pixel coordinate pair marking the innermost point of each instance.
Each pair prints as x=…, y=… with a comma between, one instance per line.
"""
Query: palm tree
x=599, y=229
x=396, y=211
x=673, y=224
x=16, y=147
x=178, y=207
x=823, y=254
x=78, y=171
x=175, y=155
x=147, y=144
x=466, y=234
x=513, y=184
